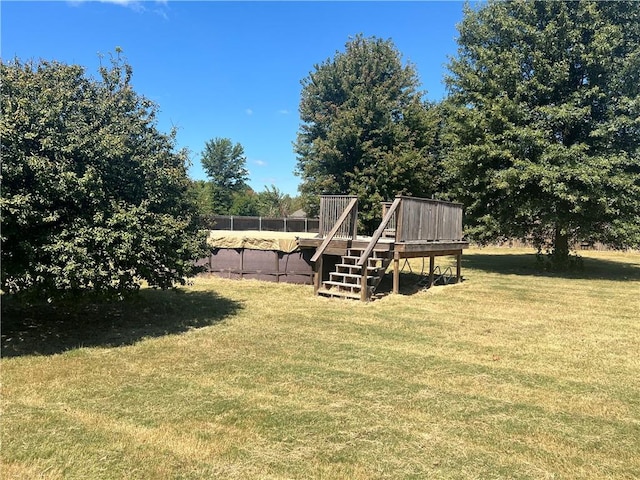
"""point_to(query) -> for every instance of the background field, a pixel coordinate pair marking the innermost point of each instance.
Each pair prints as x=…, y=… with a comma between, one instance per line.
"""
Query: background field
x=512, y=374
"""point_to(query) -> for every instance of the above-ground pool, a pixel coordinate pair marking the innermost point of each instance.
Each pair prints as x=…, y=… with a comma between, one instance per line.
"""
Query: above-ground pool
x=261, y=255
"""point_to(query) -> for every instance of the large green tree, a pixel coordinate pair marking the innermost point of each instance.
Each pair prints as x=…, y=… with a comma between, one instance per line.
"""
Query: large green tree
x=245, y=203
x=201, y=194
x=365, y=130
x=93, y=195
x=226, y=166
x=274, y=203
x=544, y=118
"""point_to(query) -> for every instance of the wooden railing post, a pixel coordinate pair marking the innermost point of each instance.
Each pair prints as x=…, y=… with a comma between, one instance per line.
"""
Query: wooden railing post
x=399, y=229
x=353, y=227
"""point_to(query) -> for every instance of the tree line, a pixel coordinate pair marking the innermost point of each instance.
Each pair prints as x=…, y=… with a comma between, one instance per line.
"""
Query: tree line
x=226, y=192
x=538, y=137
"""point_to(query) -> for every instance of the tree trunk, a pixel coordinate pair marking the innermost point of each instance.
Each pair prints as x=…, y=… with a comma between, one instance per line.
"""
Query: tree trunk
x=560, y=245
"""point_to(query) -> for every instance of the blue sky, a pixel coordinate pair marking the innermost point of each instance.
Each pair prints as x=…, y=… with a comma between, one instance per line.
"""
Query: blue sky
x=229, y=69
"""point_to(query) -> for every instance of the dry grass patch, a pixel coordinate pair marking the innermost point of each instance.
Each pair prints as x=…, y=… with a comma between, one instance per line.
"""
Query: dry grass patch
x=511, y=374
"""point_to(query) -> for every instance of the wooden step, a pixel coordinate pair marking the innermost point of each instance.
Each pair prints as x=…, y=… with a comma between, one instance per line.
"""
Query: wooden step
x=375, y=251
x=350, y=286
x=338, y=293
x=346, y=280
x=347, y=260
x=356, y=267
x=375, y=254
x=351, y=276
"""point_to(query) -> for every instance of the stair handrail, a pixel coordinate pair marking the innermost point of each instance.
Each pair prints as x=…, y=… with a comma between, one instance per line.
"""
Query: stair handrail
x=362, y=261
x=334, y=230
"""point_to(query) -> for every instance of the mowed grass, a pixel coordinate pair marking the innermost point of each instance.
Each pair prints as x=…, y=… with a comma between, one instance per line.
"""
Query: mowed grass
x=510, y=374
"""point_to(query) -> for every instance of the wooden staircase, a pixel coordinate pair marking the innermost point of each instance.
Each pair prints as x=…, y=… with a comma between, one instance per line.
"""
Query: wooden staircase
x=347, y=282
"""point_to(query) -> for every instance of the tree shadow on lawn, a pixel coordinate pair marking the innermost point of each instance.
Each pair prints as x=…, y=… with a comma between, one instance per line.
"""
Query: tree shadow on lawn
x=526, y=264
x=45, y=329
x=413, y=281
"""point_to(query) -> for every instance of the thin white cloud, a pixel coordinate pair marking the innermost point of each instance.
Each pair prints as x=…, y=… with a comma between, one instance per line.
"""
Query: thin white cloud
x=283, y=112
x=120, y=2
x=135, y=5
x=260, y=163
x=248, y=111
x=269, y=180
x=161, y=11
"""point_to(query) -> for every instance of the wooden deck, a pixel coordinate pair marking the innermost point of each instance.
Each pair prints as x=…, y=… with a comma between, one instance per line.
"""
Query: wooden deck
x=410, y=227
x=397, y=250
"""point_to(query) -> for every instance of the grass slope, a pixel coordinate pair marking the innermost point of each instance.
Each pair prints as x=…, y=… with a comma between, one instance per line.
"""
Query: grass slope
x=511, y=374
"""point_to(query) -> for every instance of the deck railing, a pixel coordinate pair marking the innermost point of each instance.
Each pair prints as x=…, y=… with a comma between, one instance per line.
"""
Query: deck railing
x=348, y=216
x=414, y=219
x=390, y=230
x=428, y=220
x=331, y=208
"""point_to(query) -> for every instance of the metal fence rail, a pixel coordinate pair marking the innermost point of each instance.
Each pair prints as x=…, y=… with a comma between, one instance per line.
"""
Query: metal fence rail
x=266, y=224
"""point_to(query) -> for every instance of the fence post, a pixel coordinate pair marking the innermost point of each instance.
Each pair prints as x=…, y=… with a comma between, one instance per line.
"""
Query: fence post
x=231, y=222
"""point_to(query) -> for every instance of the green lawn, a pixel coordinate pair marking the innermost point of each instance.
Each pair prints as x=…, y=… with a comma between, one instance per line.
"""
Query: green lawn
x=510, y=374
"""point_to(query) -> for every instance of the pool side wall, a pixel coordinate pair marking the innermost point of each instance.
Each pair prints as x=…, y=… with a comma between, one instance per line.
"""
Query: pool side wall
x=266, y=265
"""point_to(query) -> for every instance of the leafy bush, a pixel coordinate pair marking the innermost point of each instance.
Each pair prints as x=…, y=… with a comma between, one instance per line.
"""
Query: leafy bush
x=93, y=195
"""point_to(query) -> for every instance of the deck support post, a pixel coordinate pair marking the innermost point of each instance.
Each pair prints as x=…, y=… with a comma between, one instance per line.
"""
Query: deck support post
x=432, y=262
x=396, y=274
x=317, y=278
x=364, y=285
x=458, y=267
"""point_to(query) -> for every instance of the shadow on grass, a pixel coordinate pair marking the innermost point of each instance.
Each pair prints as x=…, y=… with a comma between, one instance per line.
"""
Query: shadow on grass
x=45, y=329
x=413, y=281
x=526, y=264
